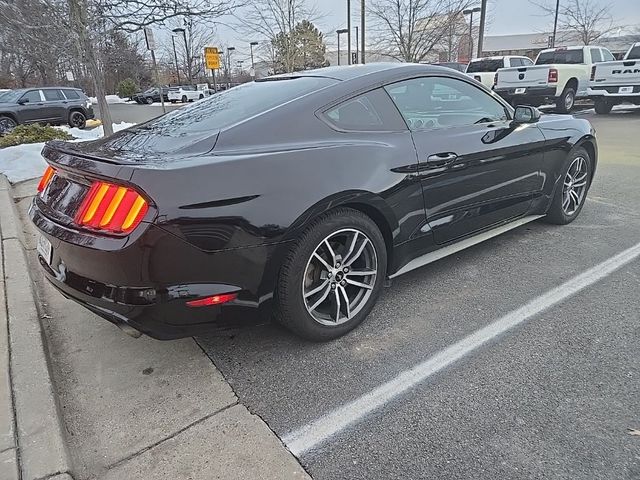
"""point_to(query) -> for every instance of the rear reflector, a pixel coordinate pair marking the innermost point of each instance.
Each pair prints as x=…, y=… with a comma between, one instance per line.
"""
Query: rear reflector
x=213, y=300
x=553, y=76
x=111, y=208
x=46, y=178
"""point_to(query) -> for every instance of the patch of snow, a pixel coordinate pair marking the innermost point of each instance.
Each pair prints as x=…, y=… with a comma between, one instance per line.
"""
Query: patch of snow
x=110, y=99
x=24, y=162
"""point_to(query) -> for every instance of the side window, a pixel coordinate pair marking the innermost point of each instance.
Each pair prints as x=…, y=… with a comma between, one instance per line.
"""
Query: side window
x=439, y=102
x=526, y=62
x=71, y=94
x=33, y=96
x=516, y=62
x=596, y=56
x=607, y=55
x=372, y=111
x=52, y=95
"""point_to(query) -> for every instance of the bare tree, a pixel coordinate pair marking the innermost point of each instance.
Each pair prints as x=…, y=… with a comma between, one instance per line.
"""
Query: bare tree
x=590, y=20
x=86, y=22
x=198, y=35
x=275, y=21
x=409, y=30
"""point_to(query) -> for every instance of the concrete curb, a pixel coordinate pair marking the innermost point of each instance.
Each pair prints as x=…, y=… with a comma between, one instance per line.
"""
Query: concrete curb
x=40, y=442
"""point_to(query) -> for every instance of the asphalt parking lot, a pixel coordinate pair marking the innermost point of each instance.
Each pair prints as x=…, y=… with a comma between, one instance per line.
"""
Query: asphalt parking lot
x=554, y=397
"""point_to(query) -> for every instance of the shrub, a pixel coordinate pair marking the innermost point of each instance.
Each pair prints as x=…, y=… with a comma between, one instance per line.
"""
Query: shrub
x=32, y=134
x=127, y=88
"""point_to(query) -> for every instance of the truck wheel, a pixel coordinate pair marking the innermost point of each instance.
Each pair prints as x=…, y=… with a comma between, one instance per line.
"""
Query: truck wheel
x=603, y=106
x=565, y=102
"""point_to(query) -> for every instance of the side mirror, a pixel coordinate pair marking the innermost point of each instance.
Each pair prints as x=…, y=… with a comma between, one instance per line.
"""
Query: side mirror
x=526, y=114
x=22, y=101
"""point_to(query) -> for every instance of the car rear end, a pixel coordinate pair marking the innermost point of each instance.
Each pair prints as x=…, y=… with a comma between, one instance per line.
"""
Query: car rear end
x=483, y=70
x=534, y=84
x=616, y=82
x=101, y=246
x=174, y=94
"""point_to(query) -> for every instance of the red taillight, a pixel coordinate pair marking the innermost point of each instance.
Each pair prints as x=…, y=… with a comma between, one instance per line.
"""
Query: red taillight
x=213, y=300
x=593, y=73
x=553, y=76
x=46, y=178
x=495, y=79
x=111, y=208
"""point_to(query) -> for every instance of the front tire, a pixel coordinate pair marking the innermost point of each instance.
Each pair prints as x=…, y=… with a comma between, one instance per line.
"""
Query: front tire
x=77, y=120
x=566, y=101
x=332, y=277
x=7, y=124
x=571, y=192
x=149, y=101
x=184, y=99
x=603, y=106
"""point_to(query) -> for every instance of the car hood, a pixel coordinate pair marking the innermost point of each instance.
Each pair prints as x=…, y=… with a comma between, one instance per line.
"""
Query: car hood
x=7, y=104
x=146, y=145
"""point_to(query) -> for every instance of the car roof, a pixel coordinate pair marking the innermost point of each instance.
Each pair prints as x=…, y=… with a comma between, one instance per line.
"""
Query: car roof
x=349, y=72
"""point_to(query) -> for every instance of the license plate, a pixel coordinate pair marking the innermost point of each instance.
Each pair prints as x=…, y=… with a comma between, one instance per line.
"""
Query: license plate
x=45, y=249
x=520, y=90
x=625, y=90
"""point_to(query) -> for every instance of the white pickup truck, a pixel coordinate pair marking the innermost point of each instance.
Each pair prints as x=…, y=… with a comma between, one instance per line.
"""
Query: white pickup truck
x=560, y=75
x=616, y=82
x=187, y=93
x=484, y=69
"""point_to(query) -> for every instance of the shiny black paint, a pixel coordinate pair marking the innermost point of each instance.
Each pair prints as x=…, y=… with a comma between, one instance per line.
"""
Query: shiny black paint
x=223, y=217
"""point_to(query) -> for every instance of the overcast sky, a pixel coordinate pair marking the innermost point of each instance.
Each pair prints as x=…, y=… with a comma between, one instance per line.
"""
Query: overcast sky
x=505, y=17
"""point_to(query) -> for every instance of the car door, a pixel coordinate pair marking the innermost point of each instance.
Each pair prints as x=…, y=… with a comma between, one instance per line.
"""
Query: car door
x=31, y=107
x=477, y=168
x=55, y=105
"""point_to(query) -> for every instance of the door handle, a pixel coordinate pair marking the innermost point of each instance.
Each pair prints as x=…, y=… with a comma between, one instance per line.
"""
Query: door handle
x=440, y=159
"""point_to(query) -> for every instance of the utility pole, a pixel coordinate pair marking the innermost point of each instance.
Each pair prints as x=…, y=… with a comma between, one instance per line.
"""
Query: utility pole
x=357, y=46
x=483, y=15
x=175, y=55
x=348, y=32
x=555, y=25
x=471, y=11
x=340, y=31
x=362, y=46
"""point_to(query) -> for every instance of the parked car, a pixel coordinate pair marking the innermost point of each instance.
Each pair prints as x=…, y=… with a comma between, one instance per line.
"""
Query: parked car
x=560, y=75
x=484, y=69
x=151, y=95
x=50, y=105
x=185, y=93
x=299, y=195
x=612, y=83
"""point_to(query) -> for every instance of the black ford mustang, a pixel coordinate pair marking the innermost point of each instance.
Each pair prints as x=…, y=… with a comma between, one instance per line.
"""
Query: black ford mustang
x=299, y=195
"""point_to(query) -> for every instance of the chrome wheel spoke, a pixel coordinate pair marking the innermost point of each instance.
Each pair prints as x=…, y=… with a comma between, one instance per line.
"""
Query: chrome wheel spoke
x=576, y=199
x=356, y=255
x=321, y=299
x=322, y=260
x=331, y=252
x=359, y=284
x=346, y=300
x=317, y=289
x=337, y=295
x=580, y=184
x=360, y=273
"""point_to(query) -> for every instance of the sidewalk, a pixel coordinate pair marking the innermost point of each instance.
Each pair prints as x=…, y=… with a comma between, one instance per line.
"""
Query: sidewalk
x=131, y=408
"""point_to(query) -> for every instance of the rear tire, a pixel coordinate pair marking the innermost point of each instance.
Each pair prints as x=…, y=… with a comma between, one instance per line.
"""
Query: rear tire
x=339, y=248
x=566, y=101
x=77, y=120
x=7, y=124
x=576, y=176
x=603, y=106
x=149, y=101
x=201, y=97
x=184, y=99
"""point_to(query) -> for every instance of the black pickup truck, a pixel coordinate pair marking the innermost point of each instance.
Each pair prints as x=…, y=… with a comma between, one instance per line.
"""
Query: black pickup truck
x=47, y=105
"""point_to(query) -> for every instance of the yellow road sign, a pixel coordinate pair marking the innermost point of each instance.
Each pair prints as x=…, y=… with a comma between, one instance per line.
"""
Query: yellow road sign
x=212, y=57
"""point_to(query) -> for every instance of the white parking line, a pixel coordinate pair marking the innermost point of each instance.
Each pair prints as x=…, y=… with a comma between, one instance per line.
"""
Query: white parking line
x=320, y=430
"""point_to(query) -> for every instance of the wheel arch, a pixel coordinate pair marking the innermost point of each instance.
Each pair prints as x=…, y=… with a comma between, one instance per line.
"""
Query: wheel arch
x=11, y=115
x=589, y=144
x=571, y=83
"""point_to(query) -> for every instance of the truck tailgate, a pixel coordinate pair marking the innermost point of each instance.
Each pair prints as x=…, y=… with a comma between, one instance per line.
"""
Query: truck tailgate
x=620, y=73
x=532, y=76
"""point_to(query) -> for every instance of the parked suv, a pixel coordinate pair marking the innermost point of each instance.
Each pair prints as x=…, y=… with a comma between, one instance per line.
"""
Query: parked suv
x=185, y=93
x=151, y=95
x=50, y=105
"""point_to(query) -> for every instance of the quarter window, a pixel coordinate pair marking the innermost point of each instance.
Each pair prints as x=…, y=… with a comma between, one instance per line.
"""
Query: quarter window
x=71, y=94
x=52, y=95
x=596, y=56
x=607, y=55
x=33, y=96
x=372, y=111
x=439, y=102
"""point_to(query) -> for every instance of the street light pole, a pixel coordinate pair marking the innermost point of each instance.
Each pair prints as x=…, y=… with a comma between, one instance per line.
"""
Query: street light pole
x=555, y=25
x=471, y=11
x=357, y=46
x=342, y=30
x=229, y=50
x=348, y=32
x=362, y=45
x=186, y=49
x=483, y=16
x=251, y=45
x=175, y=55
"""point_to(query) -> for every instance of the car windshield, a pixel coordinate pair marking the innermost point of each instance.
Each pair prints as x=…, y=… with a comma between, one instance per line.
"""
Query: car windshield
x=11, y=96
x=634, y=53
x=486, y=65
x=574, y=56
x=236, y=104
x=150, y=90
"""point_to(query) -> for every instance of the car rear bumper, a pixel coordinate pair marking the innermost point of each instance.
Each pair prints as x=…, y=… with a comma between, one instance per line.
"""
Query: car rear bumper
x=541, y=93
x=614, y=91
x=146, y=285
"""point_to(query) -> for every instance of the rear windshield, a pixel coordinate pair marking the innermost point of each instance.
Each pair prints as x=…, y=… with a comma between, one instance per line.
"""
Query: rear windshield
x=561, y=56
x=236, y=104
x=485, y=66
x=634, y=53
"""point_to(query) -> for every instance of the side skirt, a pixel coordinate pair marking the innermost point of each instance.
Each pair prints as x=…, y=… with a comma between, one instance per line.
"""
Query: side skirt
x=462, y=244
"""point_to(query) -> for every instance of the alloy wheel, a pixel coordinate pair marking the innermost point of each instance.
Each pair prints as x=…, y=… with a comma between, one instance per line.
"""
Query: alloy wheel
x=340, y=277
x=77, y=120
x=568, y=101
x=575, y=185
x=7, y=124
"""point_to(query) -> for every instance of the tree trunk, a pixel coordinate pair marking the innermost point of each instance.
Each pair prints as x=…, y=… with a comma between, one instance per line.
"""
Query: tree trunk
x=79, y=21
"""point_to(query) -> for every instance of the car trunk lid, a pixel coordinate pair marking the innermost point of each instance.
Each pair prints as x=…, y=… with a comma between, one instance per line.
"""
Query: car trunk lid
x=531, y=76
